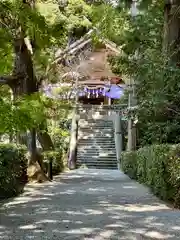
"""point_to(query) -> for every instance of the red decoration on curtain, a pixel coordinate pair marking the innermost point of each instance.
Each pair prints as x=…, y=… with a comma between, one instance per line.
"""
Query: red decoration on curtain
x=116, y=80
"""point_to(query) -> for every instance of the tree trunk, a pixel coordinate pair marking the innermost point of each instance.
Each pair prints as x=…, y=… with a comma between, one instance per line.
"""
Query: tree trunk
x=171, y=42
x=24, y=82
x=27, y=84
x=44, y=138
x=33, y=147
x=36, y=161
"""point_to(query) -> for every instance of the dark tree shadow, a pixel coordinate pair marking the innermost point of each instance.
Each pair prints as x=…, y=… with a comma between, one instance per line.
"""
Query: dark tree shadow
x=88, y=204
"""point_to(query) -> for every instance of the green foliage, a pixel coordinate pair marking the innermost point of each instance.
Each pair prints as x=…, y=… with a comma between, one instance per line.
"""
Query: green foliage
x=158, y=111
x=110, y=22
x=44, y=23
x=60, y=131
x=15, y=15
x=29, y=111
x=22, y=114
x=47, y=26
x=58, y=160
x=157, y=166
x=58, y=127
x=59, y=136
x=129, y=164
x=157, y=78
x=13, y=168
x=78, y=14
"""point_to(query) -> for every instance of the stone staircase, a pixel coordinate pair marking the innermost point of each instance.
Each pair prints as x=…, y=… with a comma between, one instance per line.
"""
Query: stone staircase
x=96, y=145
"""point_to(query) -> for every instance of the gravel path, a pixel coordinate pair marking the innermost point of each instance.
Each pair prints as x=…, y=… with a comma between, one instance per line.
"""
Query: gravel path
x=88, y=204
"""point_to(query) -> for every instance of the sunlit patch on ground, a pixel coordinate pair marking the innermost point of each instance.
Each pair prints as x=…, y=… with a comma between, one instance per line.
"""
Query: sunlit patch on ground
x=88, y=204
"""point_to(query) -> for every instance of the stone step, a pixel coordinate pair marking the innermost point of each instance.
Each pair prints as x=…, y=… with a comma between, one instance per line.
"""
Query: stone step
x=97, y=152
x=98, y=135
x=97, y=128
x=96, y=132
x=98, y=119
x=86, y=127
x=101, y=150
x=89, y=142
x=97, y=138
x=96, y=141
x=97, y=167
x=97, y=164
x=103, y=123
x=94, y=126
x=94, y=119
x=97, y=149
x=101, y=135
x=95, y=158
x=96, y=122
x=96, y=144
x=100, y=123
x=79, y=161
x=100, y=166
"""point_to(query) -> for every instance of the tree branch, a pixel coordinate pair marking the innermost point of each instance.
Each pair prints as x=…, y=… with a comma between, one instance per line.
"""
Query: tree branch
x=7, y=80
x=172, y=110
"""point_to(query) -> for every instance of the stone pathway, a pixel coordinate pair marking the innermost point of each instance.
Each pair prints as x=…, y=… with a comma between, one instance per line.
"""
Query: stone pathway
x=88, y=204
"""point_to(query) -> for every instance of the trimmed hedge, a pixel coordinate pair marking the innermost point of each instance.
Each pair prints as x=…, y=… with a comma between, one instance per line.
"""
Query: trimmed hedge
x=58, y=161
x=13, y=170
x=157, y=166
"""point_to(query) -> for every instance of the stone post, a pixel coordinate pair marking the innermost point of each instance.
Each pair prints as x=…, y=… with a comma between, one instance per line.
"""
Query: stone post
x=73, y=142
x=118, y=137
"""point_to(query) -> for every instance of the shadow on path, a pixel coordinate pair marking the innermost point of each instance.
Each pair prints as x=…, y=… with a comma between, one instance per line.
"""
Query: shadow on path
x=88, y=204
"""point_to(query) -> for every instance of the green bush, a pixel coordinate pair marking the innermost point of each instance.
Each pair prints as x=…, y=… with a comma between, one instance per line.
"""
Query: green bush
x=13, y=169
x=157, y=166
x=58, y=160
x=128, y=164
